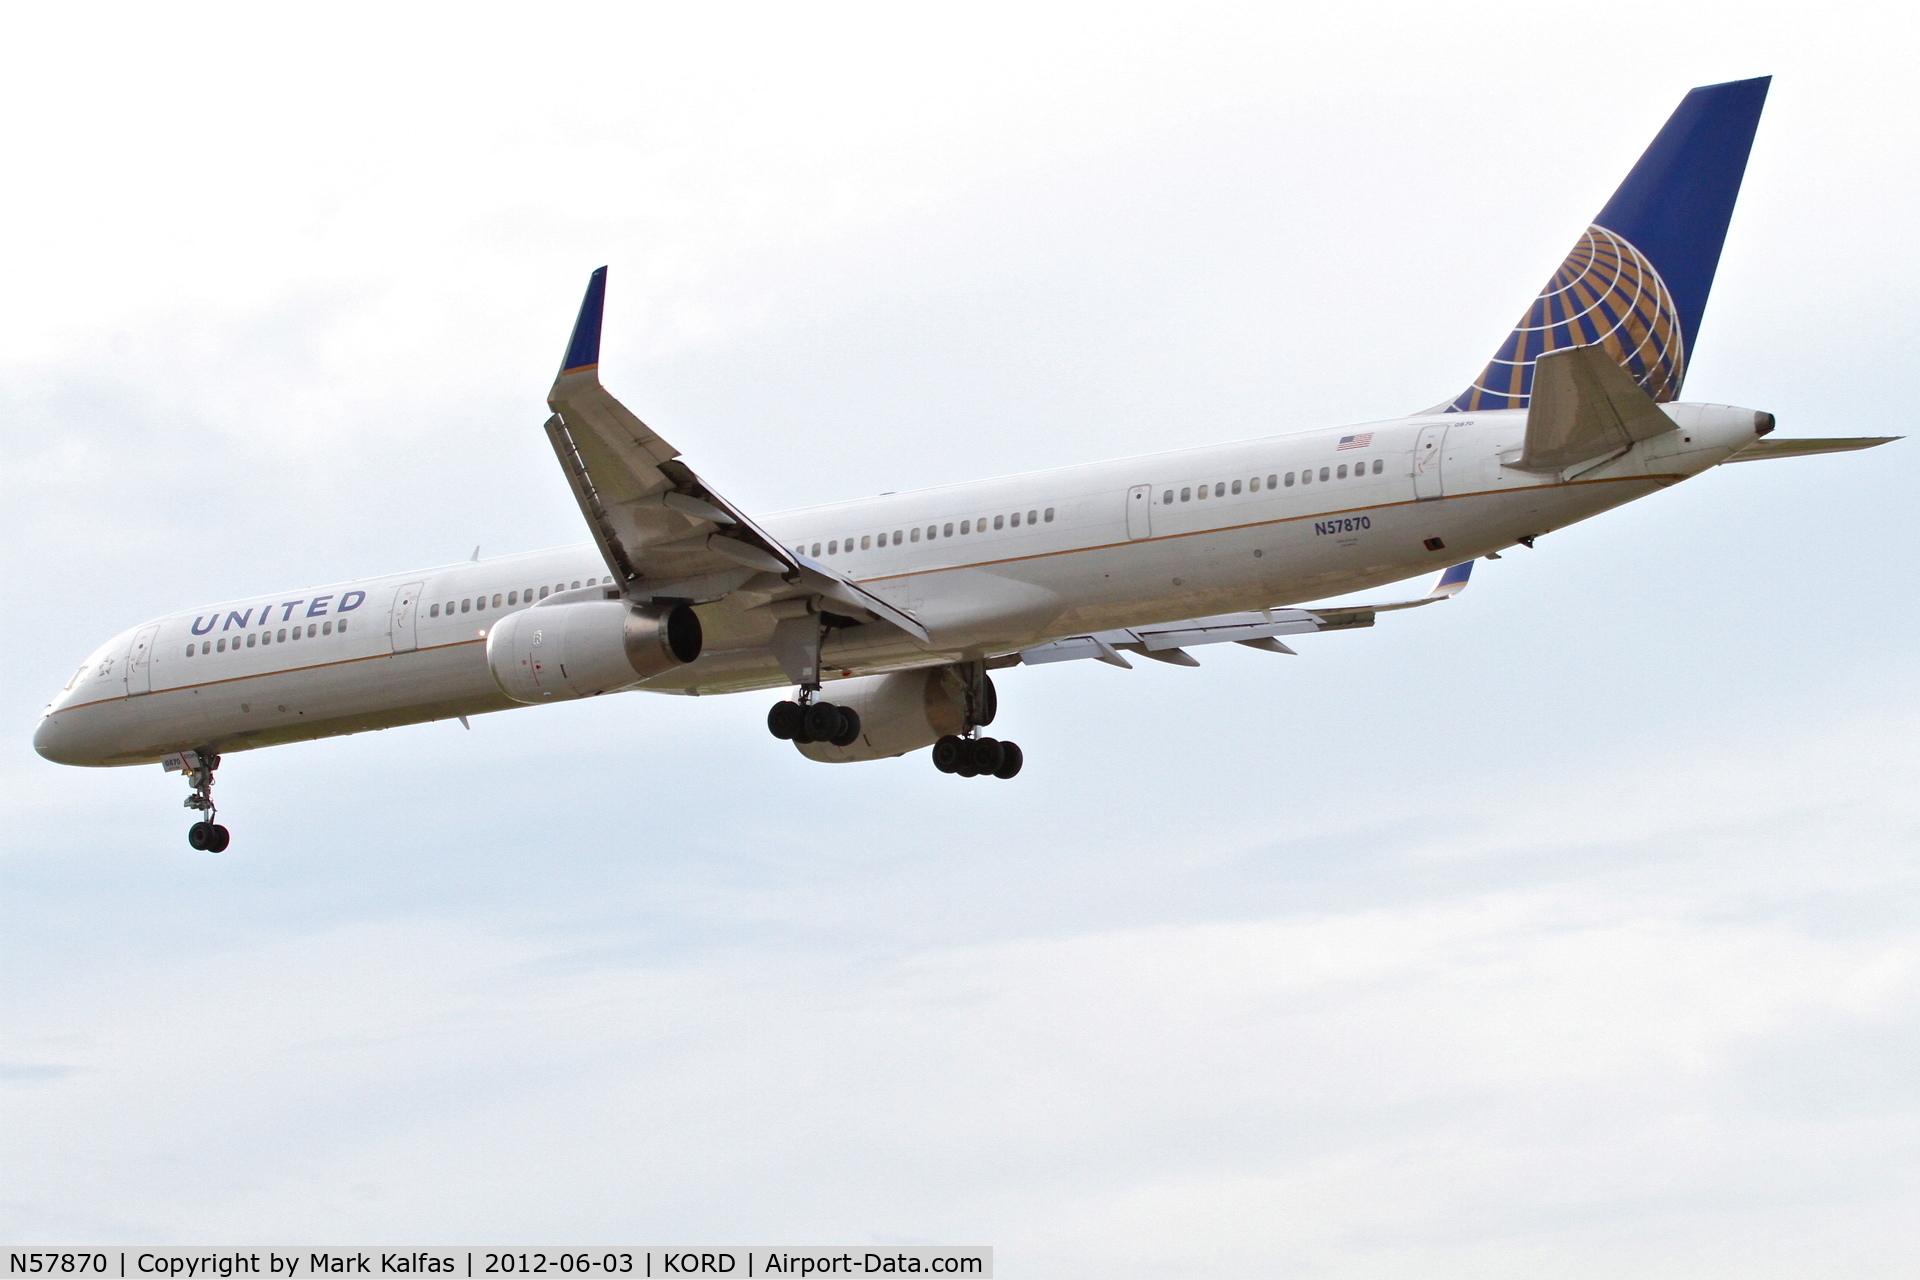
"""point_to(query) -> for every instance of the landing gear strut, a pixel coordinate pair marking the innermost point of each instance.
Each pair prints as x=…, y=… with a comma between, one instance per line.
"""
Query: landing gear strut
x=970, y=755
x=206, y=834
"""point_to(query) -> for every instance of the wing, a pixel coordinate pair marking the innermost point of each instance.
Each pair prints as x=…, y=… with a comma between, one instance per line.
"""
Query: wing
x=665, y=533
x=1169, y=642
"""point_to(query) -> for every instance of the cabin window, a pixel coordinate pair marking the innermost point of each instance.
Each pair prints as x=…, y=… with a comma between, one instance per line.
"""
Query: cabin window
x=479, y=604
x=966, y=526
x=1376, y=466
x=434, y=612
x=897, y=535
x=496, y=597
x=947, y=532
x=1049, y=515
x=466, y=606
x=1030, y=517
x=999, y=522
x=513, y=597
x=833, y=547
x=1202, y=493
x=1273, y=481
x=1236, y=486
x=282, y=635
x=543, y=596
x=1166, y=497
x=223, y=644
x=1015, y=518
x=189, y=651
x=326, y=628
x=343, y=625
x=576, y=586
x=866, y=542
x=1323, y=473
x=527, y=595
x=1342, y=475
x=250, y=639
x=1306, y=477
x=915, y=535
x=1186, y=495
x=266, y=637
x=206, y=646
x=1253, y=485
x=1220, y=490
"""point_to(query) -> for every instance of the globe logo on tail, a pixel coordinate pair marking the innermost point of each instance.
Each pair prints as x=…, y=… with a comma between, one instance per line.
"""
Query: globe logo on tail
x=1606, y=293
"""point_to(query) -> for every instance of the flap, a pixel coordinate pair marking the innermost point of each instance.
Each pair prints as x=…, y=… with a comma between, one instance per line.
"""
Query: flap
x=1168, y=641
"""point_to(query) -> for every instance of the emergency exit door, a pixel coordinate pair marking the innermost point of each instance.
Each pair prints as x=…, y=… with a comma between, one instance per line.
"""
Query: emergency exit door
x=1429, y=452
x=1140, y=511
x=406, y=611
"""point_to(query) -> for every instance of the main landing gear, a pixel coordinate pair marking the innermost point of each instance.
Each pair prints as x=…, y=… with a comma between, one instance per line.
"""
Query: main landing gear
x=977, y=757
x=810, y=721
x=206, y=834
x=968, y=754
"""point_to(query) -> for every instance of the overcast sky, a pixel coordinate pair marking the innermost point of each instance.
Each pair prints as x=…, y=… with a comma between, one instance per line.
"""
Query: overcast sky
x=1571, y=927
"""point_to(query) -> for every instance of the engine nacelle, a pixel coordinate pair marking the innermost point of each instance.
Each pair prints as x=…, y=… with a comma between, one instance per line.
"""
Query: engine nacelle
x=556, y=652
x=899, y=712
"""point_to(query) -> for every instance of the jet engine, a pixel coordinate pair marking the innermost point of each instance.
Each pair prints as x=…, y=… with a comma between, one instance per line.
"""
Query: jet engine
x=899, y=712
x=555, y=652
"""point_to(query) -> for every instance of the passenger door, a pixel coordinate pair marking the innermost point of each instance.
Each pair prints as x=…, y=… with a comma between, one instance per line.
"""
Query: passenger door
x=406, y=611
x=140, y=661
x=1140, y=511
x=1429, y=456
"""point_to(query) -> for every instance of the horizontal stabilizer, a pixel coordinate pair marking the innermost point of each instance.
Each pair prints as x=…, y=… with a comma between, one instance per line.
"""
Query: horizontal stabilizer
x=1760, y=450
x=1584, y=407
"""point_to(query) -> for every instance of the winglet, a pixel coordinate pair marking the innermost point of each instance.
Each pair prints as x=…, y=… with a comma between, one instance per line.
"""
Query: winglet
x=1453, y=581
x=583, y=350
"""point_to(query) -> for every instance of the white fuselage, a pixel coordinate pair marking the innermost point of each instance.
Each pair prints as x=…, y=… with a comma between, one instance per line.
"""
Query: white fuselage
x=1042, y=555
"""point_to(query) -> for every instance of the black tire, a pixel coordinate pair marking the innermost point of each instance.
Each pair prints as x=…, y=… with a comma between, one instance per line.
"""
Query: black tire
x=783, y=720
x=217, y=839
x=820, y=721
x=965, y=769
x=986, y=754
x=849, y=728
x=1011, y=758
x=197, y=835
x=948, y=751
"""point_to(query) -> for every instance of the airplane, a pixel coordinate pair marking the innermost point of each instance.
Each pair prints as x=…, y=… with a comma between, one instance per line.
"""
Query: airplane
x=904, y=604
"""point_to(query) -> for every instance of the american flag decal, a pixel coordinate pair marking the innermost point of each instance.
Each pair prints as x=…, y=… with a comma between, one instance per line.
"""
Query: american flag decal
x=1360, y=441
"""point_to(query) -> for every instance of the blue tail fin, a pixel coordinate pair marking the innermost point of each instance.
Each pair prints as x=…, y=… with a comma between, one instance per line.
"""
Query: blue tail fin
x=1637, y=281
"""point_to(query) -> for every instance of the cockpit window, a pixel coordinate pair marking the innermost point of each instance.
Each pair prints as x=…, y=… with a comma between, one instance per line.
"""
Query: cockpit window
x=84, y=668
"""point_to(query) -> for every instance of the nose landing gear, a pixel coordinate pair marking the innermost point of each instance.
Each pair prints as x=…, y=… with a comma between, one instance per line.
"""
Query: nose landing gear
x=206, y=835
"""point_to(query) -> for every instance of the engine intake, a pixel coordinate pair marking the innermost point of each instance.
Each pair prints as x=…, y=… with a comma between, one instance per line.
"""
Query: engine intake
x=557, y=652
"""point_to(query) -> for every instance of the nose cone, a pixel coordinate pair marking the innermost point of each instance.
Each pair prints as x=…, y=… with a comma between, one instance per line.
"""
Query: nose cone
x=56, y=740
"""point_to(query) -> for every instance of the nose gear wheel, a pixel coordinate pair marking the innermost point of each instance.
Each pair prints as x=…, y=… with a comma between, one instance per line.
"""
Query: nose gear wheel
x=206, y=835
